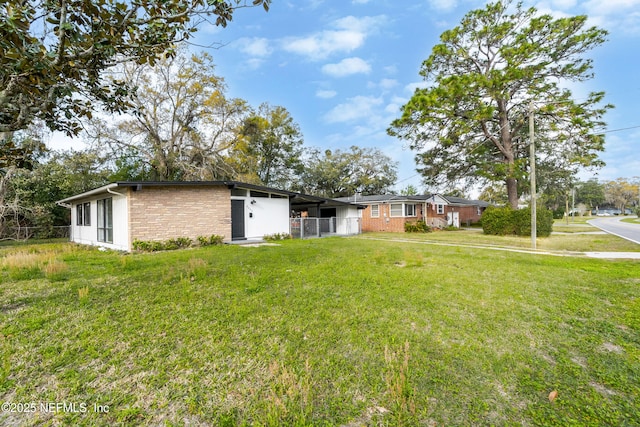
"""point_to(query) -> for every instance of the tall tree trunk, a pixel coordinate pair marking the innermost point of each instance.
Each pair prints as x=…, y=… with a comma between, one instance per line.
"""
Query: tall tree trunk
x=512, y=192
x=506, y=146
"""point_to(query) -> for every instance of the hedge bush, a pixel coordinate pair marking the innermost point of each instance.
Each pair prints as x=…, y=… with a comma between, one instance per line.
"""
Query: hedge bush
x=177, y=243
x=416, y=227
x=214, y=240
x=506, y=220
x=276, y=237
x=498, y=221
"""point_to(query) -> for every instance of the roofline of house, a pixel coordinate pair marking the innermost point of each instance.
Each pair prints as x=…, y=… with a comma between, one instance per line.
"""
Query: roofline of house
x=391, y=198
x=138, y=185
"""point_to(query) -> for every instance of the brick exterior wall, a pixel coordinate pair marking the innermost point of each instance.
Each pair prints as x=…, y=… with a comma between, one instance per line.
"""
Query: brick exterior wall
x=161, y=213
x=385, y=222
x=396, y=224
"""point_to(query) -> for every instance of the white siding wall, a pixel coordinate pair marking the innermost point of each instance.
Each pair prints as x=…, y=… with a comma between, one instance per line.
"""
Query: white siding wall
x=265, y=216
x=88, y=235
x=347, y=220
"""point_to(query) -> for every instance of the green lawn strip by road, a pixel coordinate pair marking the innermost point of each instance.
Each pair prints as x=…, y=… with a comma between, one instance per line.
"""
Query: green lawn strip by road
x=632, y=220
x=319, y=332
x=556, y=242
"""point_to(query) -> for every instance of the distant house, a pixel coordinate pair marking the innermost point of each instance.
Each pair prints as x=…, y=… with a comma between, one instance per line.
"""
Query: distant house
x=116, y=214
x=390, y=212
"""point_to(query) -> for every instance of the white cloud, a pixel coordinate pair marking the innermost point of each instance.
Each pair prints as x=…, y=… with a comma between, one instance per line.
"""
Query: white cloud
x=391, y=69
x=611, y=7
x=254, y=46
x=360, y=1
x=326, y=94
x=347, y=67
x=346, y=35
x=392, y=109
x=356, y=108
x=388, y=83
x=443, y=5
x=564, y=4
x=411, y=87
x=623, y=15
x=384, y=84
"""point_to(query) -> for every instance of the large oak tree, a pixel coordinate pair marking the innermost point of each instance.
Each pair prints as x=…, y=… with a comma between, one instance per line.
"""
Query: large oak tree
x=185, y=125
x=470, y=122
x=269, y=148
x=342, y=173
x=55, y=55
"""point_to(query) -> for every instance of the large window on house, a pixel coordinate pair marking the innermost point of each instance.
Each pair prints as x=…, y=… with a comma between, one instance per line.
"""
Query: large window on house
x=409, y=210
x=375, y=211
x=83, y=214
x=440, y=209
x=105, y=220
x=396, y=209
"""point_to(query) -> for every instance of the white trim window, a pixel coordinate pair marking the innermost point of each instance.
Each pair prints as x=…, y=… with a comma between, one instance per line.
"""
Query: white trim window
x=83, y=214
x=105, y=220
x=409, y=210
x=440, y=209
x=395, y=209
x=375, y=211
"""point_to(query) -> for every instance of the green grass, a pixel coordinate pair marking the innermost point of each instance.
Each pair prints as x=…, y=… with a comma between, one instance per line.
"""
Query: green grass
x=572, y=242
x=575, y=225
x=319, y=332
x=632, y=220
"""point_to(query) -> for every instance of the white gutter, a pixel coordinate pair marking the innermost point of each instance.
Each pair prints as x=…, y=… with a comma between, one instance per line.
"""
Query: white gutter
x=110, y=191
x=104, y=188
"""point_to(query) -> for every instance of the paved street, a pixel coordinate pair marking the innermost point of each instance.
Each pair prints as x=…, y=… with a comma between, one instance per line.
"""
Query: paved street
x=613, y=225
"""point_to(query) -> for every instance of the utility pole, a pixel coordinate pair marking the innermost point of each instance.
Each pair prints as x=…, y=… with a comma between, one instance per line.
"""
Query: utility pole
x=532, y=159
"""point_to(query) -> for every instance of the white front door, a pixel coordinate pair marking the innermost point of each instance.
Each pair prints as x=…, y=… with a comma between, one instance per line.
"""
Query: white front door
x=455, y=219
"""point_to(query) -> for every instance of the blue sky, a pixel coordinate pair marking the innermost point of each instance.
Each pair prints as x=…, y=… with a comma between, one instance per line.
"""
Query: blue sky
x=343, y=68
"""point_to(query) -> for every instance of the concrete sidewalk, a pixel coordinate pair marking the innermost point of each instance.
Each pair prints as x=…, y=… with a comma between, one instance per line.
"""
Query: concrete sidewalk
x=613, y=255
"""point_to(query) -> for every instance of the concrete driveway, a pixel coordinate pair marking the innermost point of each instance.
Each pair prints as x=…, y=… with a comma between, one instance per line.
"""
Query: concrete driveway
x=615, y=226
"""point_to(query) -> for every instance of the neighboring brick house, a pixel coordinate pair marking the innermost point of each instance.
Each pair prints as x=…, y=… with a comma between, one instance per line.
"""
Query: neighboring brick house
x=390, y=212
x=116, y=214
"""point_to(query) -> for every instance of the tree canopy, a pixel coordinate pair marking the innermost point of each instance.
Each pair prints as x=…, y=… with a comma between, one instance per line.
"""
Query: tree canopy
x=269, y=148
x=55, y=56
x=342, y=173
x=184, y=127
x=470, y=123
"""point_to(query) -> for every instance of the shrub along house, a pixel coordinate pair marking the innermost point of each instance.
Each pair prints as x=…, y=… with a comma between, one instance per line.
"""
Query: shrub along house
x=390, y=212
x=116, y=214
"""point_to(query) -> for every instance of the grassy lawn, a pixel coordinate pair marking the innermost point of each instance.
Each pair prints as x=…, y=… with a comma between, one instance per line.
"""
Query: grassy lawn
x=574, y=225
x=632, y=220
x=572, y=242
x=318, y=332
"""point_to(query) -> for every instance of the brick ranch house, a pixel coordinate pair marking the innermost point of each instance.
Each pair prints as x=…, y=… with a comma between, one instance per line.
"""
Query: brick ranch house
x=390, y=212
x=115, y=215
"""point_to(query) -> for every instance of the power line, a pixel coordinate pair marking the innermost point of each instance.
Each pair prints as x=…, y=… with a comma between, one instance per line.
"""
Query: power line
x=621, y=129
